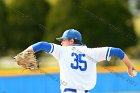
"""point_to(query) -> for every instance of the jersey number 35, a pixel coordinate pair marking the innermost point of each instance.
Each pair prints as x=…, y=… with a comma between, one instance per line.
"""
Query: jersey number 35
x=79, y=63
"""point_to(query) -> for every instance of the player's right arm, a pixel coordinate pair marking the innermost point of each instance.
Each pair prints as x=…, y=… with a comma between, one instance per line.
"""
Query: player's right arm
x=105, y=53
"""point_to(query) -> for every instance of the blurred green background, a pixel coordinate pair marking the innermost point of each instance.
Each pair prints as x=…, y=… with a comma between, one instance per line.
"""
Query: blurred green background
x=113, y=23
x=102, y=23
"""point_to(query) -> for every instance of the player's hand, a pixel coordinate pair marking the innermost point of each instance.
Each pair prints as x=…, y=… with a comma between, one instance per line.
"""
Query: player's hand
x=132, y=71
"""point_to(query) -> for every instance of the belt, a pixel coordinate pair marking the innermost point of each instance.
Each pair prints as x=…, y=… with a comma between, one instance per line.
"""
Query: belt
x=72, y=90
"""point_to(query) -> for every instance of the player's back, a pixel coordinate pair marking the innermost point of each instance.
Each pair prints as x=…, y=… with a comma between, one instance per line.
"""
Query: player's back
x=77, y=67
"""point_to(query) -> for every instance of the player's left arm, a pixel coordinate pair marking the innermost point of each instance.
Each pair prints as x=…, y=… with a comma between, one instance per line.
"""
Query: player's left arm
x=50, y=48
x=40, y=46
x=121, y=55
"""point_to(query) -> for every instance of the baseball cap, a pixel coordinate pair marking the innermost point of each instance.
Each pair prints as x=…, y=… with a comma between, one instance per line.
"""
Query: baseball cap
x=71, y=34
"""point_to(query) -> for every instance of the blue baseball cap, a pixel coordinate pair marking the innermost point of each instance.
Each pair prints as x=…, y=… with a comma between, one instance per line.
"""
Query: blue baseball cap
x=71, y=34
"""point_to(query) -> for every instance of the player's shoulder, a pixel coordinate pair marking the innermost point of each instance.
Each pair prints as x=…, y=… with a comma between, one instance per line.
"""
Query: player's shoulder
x=79, y=48
x=59, y=46
x=97, y=49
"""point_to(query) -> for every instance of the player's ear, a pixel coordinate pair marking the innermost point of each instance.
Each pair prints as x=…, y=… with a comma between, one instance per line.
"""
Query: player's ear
x=72, y=41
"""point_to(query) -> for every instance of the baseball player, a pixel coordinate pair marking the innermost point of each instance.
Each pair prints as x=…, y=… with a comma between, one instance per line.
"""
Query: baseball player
x=78, y=62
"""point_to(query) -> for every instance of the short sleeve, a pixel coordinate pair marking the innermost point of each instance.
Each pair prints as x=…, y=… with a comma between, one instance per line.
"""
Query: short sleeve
x=55, y=50
x=100, y=54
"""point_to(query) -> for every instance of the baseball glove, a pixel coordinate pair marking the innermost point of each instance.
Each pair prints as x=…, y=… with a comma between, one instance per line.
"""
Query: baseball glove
x=27, y=60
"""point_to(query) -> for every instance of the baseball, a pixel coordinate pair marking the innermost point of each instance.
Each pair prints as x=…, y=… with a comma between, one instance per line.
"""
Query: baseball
x=134, y=73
